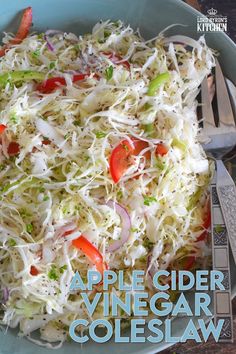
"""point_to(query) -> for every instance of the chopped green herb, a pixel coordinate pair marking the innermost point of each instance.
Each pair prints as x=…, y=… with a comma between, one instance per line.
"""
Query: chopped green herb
x=41, y=189
x=24, y=213
x=86, y=157
x=11, y=242
x=41, y=36
x=148, y=200
x=119, y=194
x=45, y=198
x=160, y=165
x=148, y=244
x=62, y=269
x=107, y=34
x=133, y=229
x=52, y=274
x=29, y=228
x=2, y=167
x=13, y=119
x=100, y=134
x=147, y=106
x=109, y=72
x=149, y=128
x=52, y=65
x=77, y=122
x=116, y=23
x=36, y=53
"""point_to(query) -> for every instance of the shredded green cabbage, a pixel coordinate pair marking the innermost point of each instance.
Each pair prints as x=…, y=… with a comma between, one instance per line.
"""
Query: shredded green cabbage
x=48, y=189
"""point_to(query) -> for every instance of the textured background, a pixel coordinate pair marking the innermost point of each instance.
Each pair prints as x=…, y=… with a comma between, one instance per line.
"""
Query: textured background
x=225, y=8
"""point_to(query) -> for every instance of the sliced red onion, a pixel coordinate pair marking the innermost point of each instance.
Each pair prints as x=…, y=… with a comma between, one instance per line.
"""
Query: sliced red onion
x=126, y=226
x=65, y=228
x=5, y=295
x=49, y=33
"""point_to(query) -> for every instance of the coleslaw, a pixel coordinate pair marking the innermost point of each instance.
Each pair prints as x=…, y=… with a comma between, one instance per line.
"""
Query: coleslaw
x=100, y=165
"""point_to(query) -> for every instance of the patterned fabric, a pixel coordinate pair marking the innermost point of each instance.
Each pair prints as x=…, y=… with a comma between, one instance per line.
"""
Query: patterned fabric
x=220, y=261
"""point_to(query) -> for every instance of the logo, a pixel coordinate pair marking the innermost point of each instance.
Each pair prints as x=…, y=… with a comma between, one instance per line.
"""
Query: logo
x=212, y=22
x=212, y=12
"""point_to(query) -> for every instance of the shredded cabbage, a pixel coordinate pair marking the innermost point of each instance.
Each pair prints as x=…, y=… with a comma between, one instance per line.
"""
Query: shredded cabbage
x=48, y=189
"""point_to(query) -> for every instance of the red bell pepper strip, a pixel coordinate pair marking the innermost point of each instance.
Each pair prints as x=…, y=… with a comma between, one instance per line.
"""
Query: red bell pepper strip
x=202, y=237
x=33, y=270
x=161, y=150
x=53, y=83
x=207, y=221
x=122, y=156
x=2, y=128
x=24, y=27
x=91, y=252
x=13, y=148
x=115, y=58
x=22, y=32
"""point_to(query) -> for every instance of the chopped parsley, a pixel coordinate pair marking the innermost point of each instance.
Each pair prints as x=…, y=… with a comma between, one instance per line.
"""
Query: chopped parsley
x=45, y=198
x=148, y=200
x=52, y=65
x=100, y=135
x=119, y=194
x=11, y=242
x=29, y=228
x=107, y=34
x=133, y=229
x=148, y=244
x=63, y=268
x=77, y=122
x=109, y=72
x=13, y=118
x=53, y=274
x=160, y=165
x=36, y=53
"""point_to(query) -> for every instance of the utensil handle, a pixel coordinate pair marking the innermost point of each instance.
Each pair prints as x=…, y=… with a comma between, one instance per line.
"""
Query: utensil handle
x=220, y=261
x=226, y=191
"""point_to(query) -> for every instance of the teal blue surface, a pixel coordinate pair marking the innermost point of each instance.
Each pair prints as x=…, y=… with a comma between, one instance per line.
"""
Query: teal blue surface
x=79, y=16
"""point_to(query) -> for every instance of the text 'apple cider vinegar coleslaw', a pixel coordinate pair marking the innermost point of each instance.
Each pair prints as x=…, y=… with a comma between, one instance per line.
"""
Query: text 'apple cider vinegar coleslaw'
x=100, y=165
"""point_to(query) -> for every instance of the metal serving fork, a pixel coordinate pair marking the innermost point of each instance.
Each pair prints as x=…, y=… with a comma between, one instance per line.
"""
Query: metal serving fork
x=223, y=139
x=223, y=195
